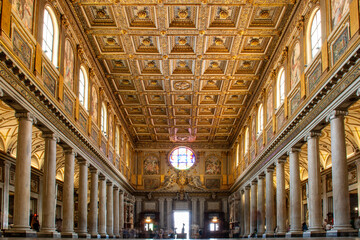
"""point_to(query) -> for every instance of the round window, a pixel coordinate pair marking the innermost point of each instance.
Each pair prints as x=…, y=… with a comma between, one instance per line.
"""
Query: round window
x=182, y=158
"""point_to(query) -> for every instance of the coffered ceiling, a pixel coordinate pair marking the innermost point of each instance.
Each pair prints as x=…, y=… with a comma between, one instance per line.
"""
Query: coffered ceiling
x=183, y=71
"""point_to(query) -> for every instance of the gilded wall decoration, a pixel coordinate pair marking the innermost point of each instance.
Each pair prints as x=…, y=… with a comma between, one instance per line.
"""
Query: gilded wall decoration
x=339, y=8
x=314, y=77
x=94, y=134
x=94, y=104
x=280, y=118
x=340, y=45
x=212, y=183
x=253, y=130
x=69, y=63
x=25, y=10
x=295, y=65
x=352, y=174
x=269, y=134
x=212, y=166
x=82, y=121
x=49, y=81
x=151, y=166
x=111, y=127
x=269, y=105
x=21, y=48
x=103, y=146
x=68, y=104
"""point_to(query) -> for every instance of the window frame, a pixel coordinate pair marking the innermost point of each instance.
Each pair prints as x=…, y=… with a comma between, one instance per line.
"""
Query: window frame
x=280, y=85
x=310, y=55
x=103, y=119
x=84, y=99
x=55, y=36
x=260, y=120
x=246, y=141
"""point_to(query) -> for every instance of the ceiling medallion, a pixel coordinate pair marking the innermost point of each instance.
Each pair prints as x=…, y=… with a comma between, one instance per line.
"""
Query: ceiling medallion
x=264, y=13
x=142, y=14
x=101, y=13
x=214, y=64
x=223, y=14
x=182, y=85
x=125, y=82
x=182, y=64
x=254, y=42
x=111, y=41
x=218, y=41
x=146, y=41
x=182, y=41
x=119, y=63
x=151, y=64
x=246, y=64
x=183, y=14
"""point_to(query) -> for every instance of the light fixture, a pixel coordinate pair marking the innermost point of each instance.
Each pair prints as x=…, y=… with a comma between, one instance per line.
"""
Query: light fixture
x=214, y=220
x=148, y=219
x=356, y=208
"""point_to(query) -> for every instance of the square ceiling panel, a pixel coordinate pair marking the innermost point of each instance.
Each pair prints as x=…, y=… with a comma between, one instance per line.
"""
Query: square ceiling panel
x=247, y=66
x=182, y=16
x=156, y=99
x=208, y=99
x=134, y=111
x=150, y=67
x=129, y=99
x=255, y=44
x=109, y=43
x=124, y=84
x=141, y=16
x=100, y=16
x=181, y=85
x=160, y=121
x=146, y=44
x=182, y=67
x=214, y=67
x=206, y=111
x=265, y=17
x=182, y=99
x=218, y=44
x=211, y=85
x=117, y=66
x=158, y=111
x=235, y=99
x=182, y=111
x=153, y=85
x=204, y=121
x=182, y=121
x=224, y=16
x=138, y=121
x=182, y=44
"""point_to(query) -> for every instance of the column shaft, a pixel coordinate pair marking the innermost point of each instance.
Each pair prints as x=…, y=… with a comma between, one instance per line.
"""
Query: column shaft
x=121, y=211
x=68, y=194
x=193, y=211
x=93, y=213
x=49, y=191
x=109, y=209
x=270, y=206
x=247, y=211
x=116, y=212
x=102, y=206
x=295, y=193
x=242, y=206
x=169, y=213
x=201, y=210
x=253, y=205
x=261, y=207
x=5, y=197
x=161, y=210
x=280, y=197
x=83, y=191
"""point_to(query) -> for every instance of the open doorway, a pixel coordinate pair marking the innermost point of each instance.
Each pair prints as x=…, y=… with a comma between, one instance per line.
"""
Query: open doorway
x=182, y=223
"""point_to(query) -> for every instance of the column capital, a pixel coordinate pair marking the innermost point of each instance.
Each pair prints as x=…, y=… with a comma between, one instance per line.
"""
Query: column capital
x=202, y=200
x=194, y=199
x=335, y=114
x=242, y=191
x=169, y=199
x=270, y=170
x=312, y=134
x=121, y=192
x=69, y=150
x=161, y=199
x=26, y=115
x=51, y=135
x=247, y=187
x=102, y=177
x=116, y=188
x=293, y=150
x=109, y=183
x=280, y=161
x=83, y=161
x=254, y=182
x=93, y=169
x=261, y=176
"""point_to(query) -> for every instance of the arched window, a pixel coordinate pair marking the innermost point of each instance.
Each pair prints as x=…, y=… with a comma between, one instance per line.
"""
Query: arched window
x=50, y=35
x=237, y=153
x=83, y=88
x=315, y=34
x=117, y=140
x=280, y=86
x=260, y=119
x=104, y=119
x=246, y=141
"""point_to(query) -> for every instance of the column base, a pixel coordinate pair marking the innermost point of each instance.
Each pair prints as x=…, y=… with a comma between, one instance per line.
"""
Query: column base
x=268, y=235
x=314, y=233
x=50, y=234
x=20, y=233
x=259, y=235
x=280, y=235
x=102, y=235
x=95, y=235
x=69, y=235
x=245, y=236
x=117, y=236
x=294, y=234
x=111, y=236
x=342, y=233
x=84, y=235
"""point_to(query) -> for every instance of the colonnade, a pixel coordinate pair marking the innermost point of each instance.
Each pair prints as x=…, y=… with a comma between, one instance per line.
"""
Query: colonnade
x=107, y=222
x=258, y=210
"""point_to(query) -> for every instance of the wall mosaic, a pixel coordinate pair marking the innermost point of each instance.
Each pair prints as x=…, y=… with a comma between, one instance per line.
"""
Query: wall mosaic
x=340, y=45
x=24, y=9
x=314, y=78
x=295, y=65
x=49, y=81
x=339, y=8
x=21, y=48
x=69, y=62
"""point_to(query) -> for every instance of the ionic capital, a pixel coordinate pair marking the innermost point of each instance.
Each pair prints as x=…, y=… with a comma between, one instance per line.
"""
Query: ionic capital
x=26, y=115
x=280, y=161
x=293, y=150
x=50, y=135
x=247, y=188
x=93, y=169
x=102, y=177
x=312, y=134
x=109, y=183
x=116, y=188
x=69, y=151
x=261, y=176
x=335, y=114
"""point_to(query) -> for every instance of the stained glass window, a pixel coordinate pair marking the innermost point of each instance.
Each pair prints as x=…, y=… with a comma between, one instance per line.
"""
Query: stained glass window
x=182, y=158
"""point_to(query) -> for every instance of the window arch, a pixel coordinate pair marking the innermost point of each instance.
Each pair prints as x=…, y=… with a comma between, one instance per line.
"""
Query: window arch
x=104, y=119
x=246, y=141
x=83, y=88
x=260, y=119
x=50, y=40
x=280, y=88
x=315, y=34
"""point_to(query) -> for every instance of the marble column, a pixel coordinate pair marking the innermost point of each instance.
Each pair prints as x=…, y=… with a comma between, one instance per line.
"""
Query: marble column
x=280, y=198
x=225, y=207
x=261, y=206
x=295, y=194
x=138, y=209
x=270, y=205
x=242, y=206
x=314, y=203
x=247, y=212
x=22, y=177
x=161, y=211
x=116, y=211
x=93, y=212
x=121, y=211
x=83, y=196
x=253, y=207
x=68, y=195
x=341, y=200
x=102, y=206
x=5, y=196
x=193, y=211
x=169, y=213
x=109, y=209
x=358, y=183
x=202, y=212
x=324, y=197
x=49, y=187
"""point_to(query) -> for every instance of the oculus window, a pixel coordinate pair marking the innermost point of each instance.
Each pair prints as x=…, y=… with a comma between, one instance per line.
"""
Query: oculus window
x=182, y=158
